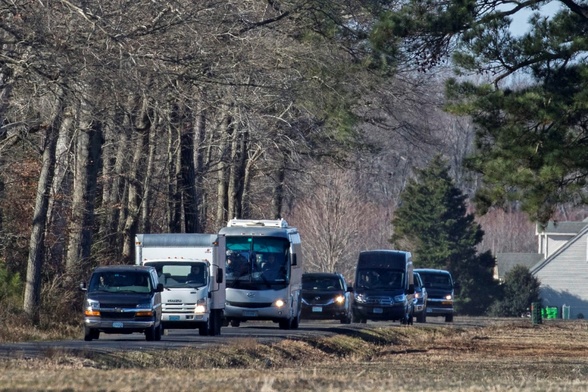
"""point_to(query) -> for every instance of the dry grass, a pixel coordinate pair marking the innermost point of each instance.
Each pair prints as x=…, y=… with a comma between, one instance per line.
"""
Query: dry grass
x=508, y=356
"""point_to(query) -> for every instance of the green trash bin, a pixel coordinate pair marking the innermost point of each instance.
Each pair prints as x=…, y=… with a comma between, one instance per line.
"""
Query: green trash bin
x=552, y=312
x=536, y=313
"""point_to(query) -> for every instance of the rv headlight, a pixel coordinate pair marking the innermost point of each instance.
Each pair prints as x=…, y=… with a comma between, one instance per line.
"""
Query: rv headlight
x=200, y=306
x=360, y=298
x=279, y=303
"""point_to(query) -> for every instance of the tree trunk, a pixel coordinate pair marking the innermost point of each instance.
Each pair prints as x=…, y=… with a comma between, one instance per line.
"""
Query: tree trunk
x=32, y=296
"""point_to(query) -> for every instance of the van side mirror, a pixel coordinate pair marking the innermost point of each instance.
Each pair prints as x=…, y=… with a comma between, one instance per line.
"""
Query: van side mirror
x=159, y=288
x=219, y=275
x=83, y=286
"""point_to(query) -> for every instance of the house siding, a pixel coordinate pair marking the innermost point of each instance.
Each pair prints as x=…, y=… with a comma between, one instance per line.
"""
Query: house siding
x=555, y=242
x=564, y=279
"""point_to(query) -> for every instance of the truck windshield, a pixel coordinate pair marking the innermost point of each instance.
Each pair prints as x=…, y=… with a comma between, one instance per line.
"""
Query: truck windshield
x=181, y=274
x=380, y=279
x=257, y=262
x=120, y=281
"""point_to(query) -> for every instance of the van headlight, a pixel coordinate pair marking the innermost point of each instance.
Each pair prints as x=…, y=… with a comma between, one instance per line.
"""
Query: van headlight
x=92, y=308
x=400, y=298
x=360, y=298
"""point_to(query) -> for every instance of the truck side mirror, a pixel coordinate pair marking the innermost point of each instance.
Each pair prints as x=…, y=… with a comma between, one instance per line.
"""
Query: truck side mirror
x=159, y=288
x=219, y=275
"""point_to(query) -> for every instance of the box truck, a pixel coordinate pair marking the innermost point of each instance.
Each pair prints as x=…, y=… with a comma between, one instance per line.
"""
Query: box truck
x=191, y=269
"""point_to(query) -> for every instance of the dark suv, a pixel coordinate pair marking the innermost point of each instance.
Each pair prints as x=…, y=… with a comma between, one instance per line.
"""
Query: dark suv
x=325, y=296
x=420, y=299
x=123, y=299
x=440, y=289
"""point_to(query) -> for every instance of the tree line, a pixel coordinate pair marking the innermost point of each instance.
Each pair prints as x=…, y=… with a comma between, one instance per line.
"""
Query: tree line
x=175, y=116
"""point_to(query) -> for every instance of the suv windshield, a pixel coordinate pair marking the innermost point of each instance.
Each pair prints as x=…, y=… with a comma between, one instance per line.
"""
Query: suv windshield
x=120, y=281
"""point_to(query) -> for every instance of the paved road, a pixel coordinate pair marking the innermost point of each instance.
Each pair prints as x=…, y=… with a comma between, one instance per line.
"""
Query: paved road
x=264, y=332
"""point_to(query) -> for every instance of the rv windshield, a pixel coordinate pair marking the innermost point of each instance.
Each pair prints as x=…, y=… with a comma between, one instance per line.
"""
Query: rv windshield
x=380, y=278
x=257, y=262
x=181, y=274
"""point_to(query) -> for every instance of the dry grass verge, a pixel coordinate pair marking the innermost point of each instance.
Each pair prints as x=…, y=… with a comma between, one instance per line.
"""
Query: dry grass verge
x=513, y=356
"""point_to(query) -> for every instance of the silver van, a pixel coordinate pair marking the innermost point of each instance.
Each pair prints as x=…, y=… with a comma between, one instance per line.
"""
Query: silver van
x=122, y=299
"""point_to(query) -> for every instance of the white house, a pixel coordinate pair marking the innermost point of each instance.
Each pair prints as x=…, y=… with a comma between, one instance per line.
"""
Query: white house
x=561, y=265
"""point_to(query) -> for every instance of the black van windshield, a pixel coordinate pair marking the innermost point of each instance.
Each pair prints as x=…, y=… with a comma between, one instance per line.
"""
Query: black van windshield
x=379, y=278
x=120, y=281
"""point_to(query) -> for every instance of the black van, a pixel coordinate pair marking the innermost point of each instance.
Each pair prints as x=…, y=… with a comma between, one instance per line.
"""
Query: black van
x=123, y=299
x=384, y=287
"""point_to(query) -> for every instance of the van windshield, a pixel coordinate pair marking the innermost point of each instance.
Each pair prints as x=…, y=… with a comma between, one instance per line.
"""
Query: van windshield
x=120, y=281
x=437, y=280
x=379, y=278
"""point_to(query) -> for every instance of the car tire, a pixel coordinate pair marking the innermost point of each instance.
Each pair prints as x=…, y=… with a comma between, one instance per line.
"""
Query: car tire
x=152, y=332
x=285, y=323
x=90, y=334
x=235, y=323
x=422, y=317
x=449, y=318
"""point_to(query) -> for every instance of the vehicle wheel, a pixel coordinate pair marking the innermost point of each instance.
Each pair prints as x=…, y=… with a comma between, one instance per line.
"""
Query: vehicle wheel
x=422, y=317
x=150, y=333
x=158, y=333
x=363, y=321
x=411, y=317
x=346, y=319
x=285, y=324
x=295, y=323
x=354, y=318
x=216, y=323
x=235, y=323
x=203, y=330
x=449, y=318
x=90, y=333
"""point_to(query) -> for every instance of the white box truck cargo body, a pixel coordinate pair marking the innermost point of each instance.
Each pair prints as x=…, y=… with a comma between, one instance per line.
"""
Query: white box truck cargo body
x=192, y=272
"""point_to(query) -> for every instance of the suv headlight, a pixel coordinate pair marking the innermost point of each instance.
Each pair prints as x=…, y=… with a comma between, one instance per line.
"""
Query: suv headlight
x=340, y=299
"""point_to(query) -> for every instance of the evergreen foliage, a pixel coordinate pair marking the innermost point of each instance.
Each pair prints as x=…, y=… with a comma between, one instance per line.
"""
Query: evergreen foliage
x=432, y=223
x=519, y=291
x=11, y=289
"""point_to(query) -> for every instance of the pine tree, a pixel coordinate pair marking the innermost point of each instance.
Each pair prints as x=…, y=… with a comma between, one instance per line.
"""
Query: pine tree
x=519, y=291
x=432, y=223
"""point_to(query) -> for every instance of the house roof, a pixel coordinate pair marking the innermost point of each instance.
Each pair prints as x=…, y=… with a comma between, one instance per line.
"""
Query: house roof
x=566, y=227
x=507, y=261
x=536, y=268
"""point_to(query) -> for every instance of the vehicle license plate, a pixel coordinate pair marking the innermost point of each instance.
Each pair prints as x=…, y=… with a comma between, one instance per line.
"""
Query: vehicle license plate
x=174, y=318
x=317, y=309
x=250, y=313
x=117, y=324
x=429, y=310
x=378, y=310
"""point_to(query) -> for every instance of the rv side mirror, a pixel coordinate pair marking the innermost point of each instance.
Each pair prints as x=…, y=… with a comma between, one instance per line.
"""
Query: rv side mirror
x=219, y=275
x=83, y=286
x=410, y=289
x=294, y=262
x=159, y=288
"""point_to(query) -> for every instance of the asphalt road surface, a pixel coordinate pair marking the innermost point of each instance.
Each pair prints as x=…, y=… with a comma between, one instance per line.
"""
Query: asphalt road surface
x=263, y=332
